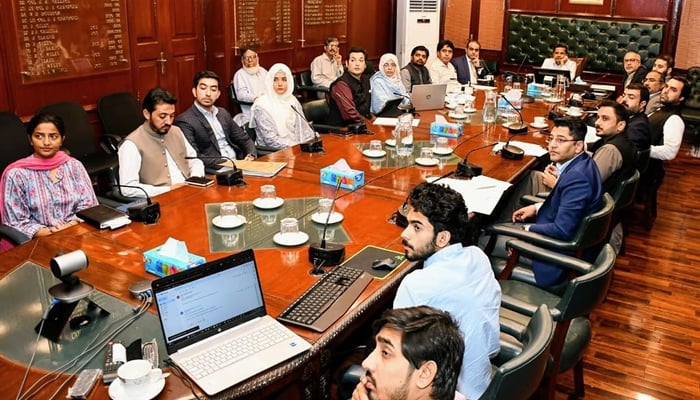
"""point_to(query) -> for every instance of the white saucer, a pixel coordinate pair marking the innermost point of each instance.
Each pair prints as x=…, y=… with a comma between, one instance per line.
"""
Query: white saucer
x=374, y=153
x=290, y=239
x=454, y=115
x=390, y=142
x=228, y=223
x=450, y=106
x=268, y=203
x=321, y=218
x=442, y=151
x=470, y=110
x=427, y=162
x=538, y=126
x=553, y=99
x=575, y=115
x=147, y=391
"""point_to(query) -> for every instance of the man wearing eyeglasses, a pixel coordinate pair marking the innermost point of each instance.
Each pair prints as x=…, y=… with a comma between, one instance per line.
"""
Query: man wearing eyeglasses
x=248, y=82
x=469, y=67
x=328, y=66
x=576, y=192
x=654, y=81
x=634, y=70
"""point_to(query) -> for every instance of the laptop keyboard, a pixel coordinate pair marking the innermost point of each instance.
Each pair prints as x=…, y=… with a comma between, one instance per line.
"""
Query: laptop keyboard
x=235, y=350
x=328, y=299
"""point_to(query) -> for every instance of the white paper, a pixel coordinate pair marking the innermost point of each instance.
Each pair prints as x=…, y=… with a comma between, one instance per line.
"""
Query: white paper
x=530, y=149
x=118, y=353
x=386, y=121
x=481, y=194
x=341, y=165
x=175, y=249
x=440, y=119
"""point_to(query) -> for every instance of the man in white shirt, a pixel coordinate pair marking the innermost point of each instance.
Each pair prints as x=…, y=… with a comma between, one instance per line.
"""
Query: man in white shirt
x=560, y=61
x=154, y=156
x=441, y=69
x=248, y=82
x=328, y=66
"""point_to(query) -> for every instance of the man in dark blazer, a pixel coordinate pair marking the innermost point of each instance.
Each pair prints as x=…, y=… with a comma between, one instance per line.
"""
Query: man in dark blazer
x=210, y=129
x=577, y=193
x=635, y=71
x=469, y=67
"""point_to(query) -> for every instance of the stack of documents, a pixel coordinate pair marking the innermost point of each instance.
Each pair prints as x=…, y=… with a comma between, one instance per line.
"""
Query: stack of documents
x=481, y=193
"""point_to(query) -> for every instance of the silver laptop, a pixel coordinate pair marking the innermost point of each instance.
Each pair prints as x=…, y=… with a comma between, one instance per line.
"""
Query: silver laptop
x=215, y=324
x=428, y=97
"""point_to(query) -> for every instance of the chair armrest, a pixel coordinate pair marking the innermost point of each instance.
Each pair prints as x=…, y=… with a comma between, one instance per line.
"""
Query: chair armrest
x=530, y=199
x=313, y=88
x=535, y=252
x=520, y=307
x=110, y=143
x=518, y=232
x=13, y=235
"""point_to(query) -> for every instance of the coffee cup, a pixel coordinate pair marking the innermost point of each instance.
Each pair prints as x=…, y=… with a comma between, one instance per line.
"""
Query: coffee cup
x=136, y=373
x=574, y=111
x=539, y=121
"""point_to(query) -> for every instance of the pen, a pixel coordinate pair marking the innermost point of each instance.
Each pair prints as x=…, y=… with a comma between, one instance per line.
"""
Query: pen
x=486, y=187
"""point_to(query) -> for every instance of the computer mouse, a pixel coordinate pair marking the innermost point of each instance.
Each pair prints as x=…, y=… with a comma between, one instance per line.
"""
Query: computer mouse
x=384, y=264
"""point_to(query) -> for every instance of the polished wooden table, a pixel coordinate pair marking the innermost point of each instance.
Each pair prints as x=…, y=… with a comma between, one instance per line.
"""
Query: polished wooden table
x=116, y=260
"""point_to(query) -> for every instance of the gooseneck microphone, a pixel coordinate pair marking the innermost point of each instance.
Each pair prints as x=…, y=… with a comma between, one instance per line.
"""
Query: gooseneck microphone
x=148, y=213
x=518, y=127
x=234, y=177
x=326, y=253
x=468, y=170
x=312, y=146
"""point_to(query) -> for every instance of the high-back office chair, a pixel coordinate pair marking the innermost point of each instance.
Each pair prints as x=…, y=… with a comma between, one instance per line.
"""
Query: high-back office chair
x=623, y=195
x=80, y=137
x=120, y=114
x=525, y=359
x=570, y=308
x=317, y=112
x=592, y=230
x=691, y=107
x=580, y=64
x=304, y=84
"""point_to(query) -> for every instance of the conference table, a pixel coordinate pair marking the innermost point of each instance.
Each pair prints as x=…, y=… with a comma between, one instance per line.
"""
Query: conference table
x=116, y=256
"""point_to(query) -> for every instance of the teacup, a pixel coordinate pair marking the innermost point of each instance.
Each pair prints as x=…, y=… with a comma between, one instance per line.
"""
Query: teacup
x=574, y=112
x=539, y=121
x=136, y=373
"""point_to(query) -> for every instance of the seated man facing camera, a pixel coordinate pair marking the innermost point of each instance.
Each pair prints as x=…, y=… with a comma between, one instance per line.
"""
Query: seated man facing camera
x=349, y=95
x=417, y=356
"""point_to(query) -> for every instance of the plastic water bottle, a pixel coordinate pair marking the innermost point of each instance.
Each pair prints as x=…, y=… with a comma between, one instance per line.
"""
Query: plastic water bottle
x=403, y=134
x=489, y=113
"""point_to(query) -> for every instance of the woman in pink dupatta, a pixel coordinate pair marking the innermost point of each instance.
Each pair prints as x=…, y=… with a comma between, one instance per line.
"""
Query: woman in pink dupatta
x=42, y=192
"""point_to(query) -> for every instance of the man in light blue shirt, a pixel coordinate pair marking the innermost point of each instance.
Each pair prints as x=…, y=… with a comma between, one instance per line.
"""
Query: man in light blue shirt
x=456, y=277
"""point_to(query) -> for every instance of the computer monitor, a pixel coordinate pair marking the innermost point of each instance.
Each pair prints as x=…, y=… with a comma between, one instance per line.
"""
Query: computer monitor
x=541, y=73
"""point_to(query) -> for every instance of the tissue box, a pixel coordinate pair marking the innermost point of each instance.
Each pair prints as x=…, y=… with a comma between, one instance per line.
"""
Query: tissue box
x=535, y=89
x=161, y=265
x=350, y=180
x=504, y=107
x=446, y=129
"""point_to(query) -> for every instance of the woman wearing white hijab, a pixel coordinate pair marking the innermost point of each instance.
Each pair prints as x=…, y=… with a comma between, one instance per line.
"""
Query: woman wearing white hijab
x=386, y=84
x=276, y=123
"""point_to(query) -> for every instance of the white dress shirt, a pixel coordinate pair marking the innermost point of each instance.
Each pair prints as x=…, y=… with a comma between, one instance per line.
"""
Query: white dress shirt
x=673, y=136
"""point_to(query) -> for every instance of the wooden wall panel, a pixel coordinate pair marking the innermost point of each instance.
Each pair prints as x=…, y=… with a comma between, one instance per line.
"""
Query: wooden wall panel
x=457, y=18
x=532, y=5
x=645, y=10
x=688, y=50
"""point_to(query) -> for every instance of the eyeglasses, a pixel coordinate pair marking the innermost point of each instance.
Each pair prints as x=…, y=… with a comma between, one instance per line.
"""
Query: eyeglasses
x=558, y=140
x=250, y=58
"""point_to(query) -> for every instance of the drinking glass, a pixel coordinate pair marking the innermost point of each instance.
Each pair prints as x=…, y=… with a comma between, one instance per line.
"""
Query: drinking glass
x=375, y=145
x=228, y=209
x=289, y=225
x=268, y=192
x=325, y=205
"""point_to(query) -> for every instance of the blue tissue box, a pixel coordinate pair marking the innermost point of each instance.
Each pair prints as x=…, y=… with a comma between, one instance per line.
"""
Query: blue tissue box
x=348, y=180
x=504, y=107
x=161, y=265
x=446, y=129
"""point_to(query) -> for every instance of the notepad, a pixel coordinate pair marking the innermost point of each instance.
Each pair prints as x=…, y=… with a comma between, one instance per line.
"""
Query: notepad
x=103, y=217
x=266, y=169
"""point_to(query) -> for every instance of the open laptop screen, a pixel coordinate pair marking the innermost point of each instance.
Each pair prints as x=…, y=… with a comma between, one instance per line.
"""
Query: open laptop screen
x=208, y=299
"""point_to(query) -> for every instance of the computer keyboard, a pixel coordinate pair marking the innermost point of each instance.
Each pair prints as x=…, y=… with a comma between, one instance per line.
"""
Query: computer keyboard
x=327, y=299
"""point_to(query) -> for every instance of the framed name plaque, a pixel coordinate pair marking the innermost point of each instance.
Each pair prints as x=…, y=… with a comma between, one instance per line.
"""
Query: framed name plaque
x=263, y=24
x=322, y=19
x=70, y=38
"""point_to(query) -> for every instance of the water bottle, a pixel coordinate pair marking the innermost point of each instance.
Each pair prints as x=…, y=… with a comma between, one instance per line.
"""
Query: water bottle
x=403, y=134
x=489, y=111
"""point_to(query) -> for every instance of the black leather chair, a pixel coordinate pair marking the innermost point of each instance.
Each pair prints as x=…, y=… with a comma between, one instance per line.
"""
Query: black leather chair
x=522, y=360
x=591, y=232
x=570, y=308
x=120, y=114
x=643, y=160
x=317, y=112
x=15, y=146
x=304, y=84
x=81, y=141
x=623, y=195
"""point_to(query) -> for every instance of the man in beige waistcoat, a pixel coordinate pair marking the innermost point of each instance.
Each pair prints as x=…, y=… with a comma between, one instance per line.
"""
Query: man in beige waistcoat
x=153, y=156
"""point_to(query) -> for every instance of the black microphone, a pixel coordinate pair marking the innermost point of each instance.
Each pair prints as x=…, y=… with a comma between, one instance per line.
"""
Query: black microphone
x=518, y=127
x=511, y=152
x=234, y=177
x=326, y=253
x=312, y=146
x=148, y=213
x=517, y=72
x=467, y=170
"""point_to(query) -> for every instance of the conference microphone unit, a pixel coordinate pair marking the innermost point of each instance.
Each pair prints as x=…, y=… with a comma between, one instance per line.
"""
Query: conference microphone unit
x=465, y=169
x=511, y=152
x=148, y=213
x=518, y=127
x=233, y=177
x=312, y=146
x=324, y=252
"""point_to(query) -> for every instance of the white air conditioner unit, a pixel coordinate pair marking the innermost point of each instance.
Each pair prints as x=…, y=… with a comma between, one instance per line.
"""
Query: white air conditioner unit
x=417, y=23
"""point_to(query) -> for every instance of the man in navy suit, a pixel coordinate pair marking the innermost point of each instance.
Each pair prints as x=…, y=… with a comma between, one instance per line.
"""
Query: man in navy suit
x=469, y=67
x=576, y=193
x=210, y=129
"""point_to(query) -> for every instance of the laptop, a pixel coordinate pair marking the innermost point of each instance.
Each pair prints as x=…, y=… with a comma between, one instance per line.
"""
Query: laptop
x=216, y=306
x=428, y=97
